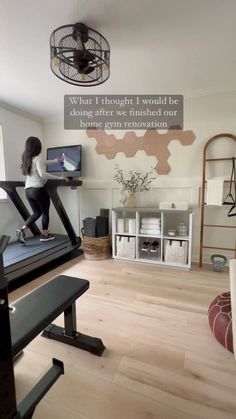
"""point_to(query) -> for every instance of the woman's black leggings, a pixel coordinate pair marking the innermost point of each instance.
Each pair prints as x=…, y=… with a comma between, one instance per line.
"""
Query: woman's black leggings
x=40, y=202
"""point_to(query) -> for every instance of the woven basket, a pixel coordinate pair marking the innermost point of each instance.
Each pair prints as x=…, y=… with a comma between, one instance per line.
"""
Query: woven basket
x=96, y=248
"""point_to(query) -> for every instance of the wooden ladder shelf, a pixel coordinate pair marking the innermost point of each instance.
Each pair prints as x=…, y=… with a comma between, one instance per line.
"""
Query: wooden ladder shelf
x=203, y=192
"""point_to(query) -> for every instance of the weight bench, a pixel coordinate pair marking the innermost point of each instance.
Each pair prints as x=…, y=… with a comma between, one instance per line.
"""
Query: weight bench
x=23, y=321
x=35, y=312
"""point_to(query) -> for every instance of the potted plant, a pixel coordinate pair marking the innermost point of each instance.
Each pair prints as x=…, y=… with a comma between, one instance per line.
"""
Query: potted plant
x=133, y=182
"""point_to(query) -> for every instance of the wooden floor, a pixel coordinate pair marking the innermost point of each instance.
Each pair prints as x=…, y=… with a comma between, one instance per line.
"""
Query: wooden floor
x=161, y=359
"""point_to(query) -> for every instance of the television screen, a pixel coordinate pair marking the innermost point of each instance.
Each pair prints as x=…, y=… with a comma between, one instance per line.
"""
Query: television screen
x=68, y=160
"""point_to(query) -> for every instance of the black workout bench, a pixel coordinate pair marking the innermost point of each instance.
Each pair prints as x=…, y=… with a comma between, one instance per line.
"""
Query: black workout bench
x=33, y=313
x=23, y=321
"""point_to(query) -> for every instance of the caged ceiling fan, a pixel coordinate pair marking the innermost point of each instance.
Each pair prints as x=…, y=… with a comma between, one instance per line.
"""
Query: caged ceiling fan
x=79, y=55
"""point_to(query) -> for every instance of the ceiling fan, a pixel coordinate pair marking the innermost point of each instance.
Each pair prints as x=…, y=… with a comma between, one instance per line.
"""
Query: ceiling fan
x=80, y=55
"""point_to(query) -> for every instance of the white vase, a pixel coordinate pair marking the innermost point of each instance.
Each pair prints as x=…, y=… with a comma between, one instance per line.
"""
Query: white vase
x=123, y=197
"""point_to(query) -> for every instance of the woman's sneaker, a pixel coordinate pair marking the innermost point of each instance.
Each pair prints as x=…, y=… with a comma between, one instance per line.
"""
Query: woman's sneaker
x=46, y=238
x=20, y=236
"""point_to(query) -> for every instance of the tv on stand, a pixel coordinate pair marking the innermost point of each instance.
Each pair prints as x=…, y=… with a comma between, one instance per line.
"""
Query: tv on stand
x=68, y=161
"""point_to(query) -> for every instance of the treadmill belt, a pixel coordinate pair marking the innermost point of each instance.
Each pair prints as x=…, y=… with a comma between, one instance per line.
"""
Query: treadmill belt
x=17, y=252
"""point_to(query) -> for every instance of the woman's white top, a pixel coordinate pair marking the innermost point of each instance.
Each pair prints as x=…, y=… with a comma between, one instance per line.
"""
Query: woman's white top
x=39, y=176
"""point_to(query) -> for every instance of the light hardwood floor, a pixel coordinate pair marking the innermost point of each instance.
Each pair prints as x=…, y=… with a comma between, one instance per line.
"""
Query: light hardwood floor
x=161, y=359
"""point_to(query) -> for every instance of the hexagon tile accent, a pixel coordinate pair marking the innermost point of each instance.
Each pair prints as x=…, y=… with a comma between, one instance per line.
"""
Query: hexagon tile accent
x=153, y=143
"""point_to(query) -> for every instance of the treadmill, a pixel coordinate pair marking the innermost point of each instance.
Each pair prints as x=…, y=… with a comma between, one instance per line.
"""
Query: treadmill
x=21, y=259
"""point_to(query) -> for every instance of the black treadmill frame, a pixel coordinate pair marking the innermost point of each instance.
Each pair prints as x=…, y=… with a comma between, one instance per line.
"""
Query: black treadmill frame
x=10, y=187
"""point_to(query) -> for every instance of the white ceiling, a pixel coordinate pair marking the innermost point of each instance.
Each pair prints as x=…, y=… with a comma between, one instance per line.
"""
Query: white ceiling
x=157, y=46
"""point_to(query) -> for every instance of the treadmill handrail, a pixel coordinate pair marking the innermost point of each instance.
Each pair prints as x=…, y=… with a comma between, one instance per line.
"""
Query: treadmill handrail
x=5, y=184
x=60, y=182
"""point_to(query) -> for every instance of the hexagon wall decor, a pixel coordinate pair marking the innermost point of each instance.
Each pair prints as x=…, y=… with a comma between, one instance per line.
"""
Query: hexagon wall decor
x=152, y=143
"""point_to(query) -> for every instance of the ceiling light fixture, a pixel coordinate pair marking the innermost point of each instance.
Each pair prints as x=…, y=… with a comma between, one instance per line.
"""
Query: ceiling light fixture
x=79, y=55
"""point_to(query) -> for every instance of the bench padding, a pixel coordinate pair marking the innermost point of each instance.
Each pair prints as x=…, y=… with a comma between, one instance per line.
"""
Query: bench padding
x=38, y=309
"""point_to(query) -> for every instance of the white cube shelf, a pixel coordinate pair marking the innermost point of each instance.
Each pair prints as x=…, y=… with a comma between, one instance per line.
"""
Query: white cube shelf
x=143, y=236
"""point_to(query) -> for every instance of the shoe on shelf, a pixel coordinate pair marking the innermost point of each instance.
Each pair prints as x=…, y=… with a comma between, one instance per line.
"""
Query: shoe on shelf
x=20, y=236
x=44, y=238
x=145, y=246
x=154, y=247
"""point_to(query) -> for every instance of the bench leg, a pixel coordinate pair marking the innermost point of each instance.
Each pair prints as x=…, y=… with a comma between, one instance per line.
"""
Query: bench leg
x=70, y=320
x=70, y=336
x=27, y=406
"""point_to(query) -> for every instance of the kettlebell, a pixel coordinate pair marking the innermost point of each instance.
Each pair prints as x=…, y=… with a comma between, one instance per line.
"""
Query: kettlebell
x=218, y=262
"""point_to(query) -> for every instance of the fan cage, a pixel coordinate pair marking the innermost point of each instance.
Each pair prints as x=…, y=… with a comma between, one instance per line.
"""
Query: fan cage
x=63, y=47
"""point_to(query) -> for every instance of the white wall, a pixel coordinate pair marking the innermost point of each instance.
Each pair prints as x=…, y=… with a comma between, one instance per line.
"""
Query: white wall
x=205, y=115
x=16, y=129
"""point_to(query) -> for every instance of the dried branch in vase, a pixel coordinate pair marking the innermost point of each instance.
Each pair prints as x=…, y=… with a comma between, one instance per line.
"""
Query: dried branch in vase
x=135, y=181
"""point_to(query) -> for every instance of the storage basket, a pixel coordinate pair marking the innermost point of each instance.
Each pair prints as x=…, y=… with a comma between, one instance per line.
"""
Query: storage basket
x=96, y=248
